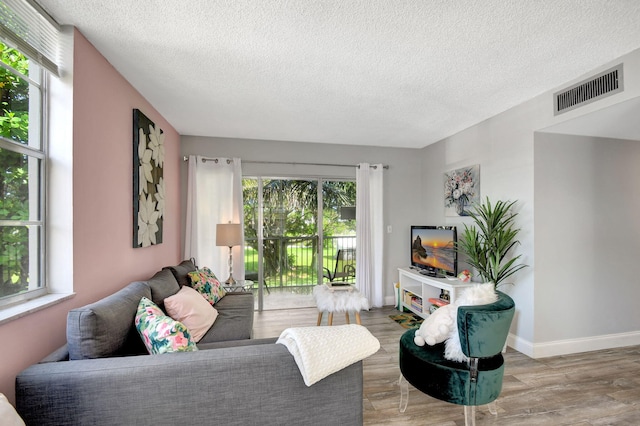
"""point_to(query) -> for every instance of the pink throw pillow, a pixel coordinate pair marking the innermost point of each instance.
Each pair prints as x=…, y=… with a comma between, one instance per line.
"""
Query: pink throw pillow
x=191, y=309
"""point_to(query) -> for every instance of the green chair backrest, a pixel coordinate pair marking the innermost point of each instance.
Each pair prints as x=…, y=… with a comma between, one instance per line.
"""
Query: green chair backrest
x=483, y=329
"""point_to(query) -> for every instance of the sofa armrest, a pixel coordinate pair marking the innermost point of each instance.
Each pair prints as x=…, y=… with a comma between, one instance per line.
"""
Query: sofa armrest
x=60, y=354
x=247, y=385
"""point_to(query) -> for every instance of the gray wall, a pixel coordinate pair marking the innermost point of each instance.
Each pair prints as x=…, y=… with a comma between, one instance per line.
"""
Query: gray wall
x=402, y=192
x=587, y=241
x=570, y=314
x=503, y=148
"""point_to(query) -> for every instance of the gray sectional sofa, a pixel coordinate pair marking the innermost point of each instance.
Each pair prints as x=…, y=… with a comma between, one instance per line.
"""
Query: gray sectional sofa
x=104, y=376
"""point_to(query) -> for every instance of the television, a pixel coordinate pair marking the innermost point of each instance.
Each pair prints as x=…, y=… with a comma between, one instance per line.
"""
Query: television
x=433, y=250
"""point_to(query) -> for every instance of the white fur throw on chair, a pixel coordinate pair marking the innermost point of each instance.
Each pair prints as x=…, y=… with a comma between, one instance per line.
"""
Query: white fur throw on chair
x=333, y=300
x=479, y=294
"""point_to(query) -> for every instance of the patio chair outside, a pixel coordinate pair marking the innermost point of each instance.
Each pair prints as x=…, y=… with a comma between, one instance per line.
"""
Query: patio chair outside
x=345, y=266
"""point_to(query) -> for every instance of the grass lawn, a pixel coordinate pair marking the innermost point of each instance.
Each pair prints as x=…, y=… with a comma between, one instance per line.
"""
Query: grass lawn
x=302, y=271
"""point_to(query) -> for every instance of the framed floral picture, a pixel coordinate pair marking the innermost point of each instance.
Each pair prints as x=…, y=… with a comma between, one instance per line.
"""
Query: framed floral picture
x=461, y=190
x=148, y=182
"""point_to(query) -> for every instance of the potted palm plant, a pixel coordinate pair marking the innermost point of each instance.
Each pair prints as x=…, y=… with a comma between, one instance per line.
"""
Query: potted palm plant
x=488, y=243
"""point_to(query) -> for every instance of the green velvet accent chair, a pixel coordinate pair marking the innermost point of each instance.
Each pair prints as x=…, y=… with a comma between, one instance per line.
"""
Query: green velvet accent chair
x=483, y=331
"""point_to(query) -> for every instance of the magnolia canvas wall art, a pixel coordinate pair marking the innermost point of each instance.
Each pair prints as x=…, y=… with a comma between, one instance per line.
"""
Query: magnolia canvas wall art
x=148, y=182
x=461, y=190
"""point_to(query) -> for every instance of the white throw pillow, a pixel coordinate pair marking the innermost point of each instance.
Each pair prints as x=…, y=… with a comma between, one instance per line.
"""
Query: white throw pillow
x=8, y=414
x=479, y=294
x=437, y=327
x=190, y=308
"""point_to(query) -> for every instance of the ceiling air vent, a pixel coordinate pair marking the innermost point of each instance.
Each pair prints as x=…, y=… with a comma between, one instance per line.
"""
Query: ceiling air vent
x=602, y=85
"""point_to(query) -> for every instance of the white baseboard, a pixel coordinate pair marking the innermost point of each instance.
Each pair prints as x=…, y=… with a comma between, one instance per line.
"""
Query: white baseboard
x=573, y=346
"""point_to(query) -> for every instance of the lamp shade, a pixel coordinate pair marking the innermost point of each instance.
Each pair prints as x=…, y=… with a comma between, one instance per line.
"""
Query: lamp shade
x=228, y=234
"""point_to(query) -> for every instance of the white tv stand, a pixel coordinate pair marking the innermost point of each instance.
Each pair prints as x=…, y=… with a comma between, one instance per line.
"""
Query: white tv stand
x=424, y=287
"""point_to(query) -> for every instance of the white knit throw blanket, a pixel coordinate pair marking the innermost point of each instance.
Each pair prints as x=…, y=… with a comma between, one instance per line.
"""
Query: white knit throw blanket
x=321, y=351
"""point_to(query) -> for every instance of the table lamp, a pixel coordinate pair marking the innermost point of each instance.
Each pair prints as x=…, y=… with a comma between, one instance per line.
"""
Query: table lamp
x=230, y=235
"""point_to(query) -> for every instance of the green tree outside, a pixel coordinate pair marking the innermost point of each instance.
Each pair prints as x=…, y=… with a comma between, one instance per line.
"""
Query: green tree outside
x=290, y=224
x=14, y=176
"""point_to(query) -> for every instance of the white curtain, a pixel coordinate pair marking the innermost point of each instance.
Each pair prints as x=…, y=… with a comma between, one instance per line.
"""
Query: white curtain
x=369, y=232
x=214, y=195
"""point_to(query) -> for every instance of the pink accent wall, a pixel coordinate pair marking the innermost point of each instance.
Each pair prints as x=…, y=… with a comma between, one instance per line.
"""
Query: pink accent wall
x=103, y=258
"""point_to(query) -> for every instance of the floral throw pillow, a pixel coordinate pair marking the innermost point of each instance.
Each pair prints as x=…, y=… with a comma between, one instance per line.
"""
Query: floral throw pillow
x=160, y=333
x=207, y=285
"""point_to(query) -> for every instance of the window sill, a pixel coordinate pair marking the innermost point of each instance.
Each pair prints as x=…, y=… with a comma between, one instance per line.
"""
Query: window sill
x=20, y=310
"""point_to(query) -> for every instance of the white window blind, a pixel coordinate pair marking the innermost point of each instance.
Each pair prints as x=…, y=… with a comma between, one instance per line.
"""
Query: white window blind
x=31, y=30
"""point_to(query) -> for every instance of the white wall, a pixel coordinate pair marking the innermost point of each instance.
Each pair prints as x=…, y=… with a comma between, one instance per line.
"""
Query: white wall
x=401, y=181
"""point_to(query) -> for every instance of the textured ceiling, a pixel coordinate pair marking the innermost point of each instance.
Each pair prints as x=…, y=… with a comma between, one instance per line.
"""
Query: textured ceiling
x=402, y=73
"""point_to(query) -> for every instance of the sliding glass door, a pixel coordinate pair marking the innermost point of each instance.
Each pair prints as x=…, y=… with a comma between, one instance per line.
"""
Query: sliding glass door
x=287, y=221
x=338, y=230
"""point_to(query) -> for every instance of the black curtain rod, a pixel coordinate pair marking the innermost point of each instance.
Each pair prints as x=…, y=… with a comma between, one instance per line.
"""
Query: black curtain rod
x=185, y=158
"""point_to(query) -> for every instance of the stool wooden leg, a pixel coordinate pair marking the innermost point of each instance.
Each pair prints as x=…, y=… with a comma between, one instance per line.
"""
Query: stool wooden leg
x=330, y=322
x=346, y=314
x=319, y=317
x=358, y=318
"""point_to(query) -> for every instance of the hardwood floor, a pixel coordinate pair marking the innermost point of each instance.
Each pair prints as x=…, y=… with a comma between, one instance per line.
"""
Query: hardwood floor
x=595, y=388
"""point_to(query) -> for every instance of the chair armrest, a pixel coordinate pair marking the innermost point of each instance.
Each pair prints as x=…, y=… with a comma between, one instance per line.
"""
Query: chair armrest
x=327, y=273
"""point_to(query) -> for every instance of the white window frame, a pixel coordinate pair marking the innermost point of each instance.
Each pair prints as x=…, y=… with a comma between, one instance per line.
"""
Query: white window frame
x=26, y=27
x=35, y=149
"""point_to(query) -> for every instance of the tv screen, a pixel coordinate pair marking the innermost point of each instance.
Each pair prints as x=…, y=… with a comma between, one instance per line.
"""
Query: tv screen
x=433, y=249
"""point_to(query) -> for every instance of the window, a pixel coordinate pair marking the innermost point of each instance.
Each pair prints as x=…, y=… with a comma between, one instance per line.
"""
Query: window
x=22, y=186
x=31, y=264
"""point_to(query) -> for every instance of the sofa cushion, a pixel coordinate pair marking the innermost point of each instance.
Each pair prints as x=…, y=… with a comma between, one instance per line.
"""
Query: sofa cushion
x=163, y=284
x=191, y=309
x=159, y=332
x=106, y=328
x=235, y=318
x=181, y=270
x=205, y=281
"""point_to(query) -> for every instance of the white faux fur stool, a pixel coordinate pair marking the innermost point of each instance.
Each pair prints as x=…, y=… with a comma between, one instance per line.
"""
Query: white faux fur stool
x=342, y=298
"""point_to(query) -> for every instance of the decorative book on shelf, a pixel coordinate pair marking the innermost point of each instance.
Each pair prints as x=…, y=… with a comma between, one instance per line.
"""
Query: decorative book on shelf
x=409, y=297
x=438, y=302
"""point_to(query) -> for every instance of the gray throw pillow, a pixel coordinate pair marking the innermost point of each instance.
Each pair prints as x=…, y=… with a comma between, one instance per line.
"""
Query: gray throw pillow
x=102, y=329
x=181, y=270
x=163, y=284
